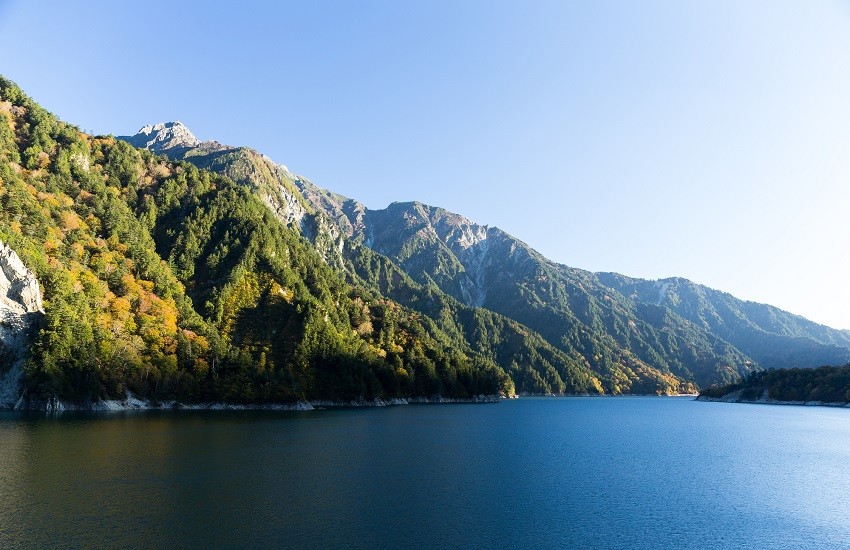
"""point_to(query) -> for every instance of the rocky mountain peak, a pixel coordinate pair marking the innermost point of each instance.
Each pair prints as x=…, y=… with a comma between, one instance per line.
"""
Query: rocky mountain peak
x=163, y=136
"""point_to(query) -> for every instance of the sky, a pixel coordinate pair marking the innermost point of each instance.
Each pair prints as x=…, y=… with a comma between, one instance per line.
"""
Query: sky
x=702, y=139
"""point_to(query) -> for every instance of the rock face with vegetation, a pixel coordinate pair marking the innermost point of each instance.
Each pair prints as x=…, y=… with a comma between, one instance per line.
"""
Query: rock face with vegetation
x=20, y=312
x=532, y=364
x=337, y=228
x=632, y=345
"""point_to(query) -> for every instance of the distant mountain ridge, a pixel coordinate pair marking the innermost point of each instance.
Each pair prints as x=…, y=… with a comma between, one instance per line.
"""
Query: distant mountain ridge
x=615, y=323
x=775, y=338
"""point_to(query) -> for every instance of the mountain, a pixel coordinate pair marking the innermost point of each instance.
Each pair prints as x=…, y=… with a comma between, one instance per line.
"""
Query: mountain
x=534, y=365
x=569, y=307
x=615, y=324
x=214, y=274
x=176, y=283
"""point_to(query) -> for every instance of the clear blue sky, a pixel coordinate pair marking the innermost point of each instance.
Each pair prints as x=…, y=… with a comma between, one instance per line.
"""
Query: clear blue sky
x=703, y=139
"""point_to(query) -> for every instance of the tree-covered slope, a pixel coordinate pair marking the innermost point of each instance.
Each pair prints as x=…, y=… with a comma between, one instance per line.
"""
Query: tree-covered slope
x=177, y=283
x=823, y=384
x=532, y=363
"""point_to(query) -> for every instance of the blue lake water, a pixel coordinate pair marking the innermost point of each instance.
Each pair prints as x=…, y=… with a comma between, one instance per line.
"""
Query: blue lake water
x=538, y=473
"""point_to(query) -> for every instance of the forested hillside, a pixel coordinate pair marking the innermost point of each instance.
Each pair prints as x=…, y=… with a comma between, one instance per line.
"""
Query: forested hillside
x=693, y=332
x=823, y=385
x=175, y=283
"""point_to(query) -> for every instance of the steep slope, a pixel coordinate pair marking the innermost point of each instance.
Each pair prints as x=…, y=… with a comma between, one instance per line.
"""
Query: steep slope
x=176, y=283
x=569, y=307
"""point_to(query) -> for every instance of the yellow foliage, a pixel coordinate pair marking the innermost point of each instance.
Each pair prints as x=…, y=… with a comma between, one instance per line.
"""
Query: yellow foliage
x=198, y=342
x=70, y=220
x=78, y=250
x=201, y=367
x=277, y=290
x=51, y=246
x=246, y=291
x=103, y=321
x=120, y=307
x=116, y=245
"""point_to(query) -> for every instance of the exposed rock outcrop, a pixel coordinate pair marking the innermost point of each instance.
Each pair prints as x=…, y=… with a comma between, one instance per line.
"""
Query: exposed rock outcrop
x=20, y=312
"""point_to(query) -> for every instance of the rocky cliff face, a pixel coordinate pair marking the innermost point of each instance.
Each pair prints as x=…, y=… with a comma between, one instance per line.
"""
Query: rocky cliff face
x=20, y=311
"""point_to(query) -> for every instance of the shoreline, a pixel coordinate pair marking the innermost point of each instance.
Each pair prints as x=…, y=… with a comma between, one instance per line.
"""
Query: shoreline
x=735, y=397
x=132, y=403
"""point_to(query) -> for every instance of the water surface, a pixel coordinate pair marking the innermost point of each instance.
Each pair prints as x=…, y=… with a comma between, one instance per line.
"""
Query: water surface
x=545, y=472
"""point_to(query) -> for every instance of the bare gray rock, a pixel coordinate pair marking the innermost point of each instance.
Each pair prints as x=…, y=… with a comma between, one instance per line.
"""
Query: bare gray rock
x=19, y=291
x=163, y=136
x=20, y=312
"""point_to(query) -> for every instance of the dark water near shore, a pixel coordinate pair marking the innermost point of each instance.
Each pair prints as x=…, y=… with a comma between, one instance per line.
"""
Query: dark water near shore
x=536, y=473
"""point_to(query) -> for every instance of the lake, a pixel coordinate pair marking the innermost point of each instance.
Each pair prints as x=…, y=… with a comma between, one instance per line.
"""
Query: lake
x=630, y=472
